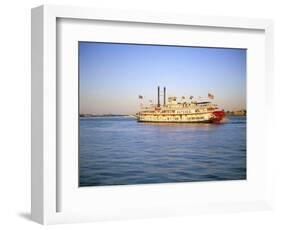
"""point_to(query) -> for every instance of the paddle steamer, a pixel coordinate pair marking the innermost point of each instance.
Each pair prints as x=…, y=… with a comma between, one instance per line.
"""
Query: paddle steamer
x=180, y=111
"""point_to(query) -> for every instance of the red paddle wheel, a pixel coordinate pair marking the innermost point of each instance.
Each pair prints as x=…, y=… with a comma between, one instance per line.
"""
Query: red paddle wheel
x=218, y=116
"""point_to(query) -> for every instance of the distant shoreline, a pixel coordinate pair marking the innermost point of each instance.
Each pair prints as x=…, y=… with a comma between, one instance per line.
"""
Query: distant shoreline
x=237, y=113
x=127, y=115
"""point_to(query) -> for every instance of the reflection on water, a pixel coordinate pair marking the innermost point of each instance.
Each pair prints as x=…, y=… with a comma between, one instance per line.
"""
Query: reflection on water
x=119, y=150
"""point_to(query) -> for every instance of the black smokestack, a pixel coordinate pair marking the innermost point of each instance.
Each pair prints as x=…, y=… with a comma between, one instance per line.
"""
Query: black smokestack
x=158, y=104
x=164, y=96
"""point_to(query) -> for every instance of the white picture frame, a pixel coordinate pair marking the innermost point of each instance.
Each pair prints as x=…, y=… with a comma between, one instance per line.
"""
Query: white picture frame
x=46, y=181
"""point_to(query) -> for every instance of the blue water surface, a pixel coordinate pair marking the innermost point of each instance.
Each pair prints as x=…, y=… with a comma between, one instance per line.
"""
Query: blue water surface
x=121, y=151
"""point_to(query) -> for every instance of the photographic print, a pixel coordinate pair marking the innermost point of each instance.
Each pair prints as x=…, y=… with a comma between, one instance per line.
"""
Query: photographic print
x=161, y=114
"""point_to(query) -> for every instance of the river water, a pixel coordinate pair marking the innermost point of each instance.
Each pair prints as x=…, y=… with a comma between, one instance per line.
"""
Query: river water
x=120, y=150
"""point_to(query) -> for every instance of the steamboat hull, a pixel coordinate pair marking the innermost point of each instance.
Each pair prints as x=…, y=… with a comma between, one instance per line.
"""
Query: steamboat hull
x=185, y=122
x=214, y=117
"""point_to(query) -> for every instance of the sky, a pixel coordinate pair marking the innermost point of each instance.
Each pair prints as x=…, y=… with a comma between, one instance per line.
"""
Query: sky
x=112, y=76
